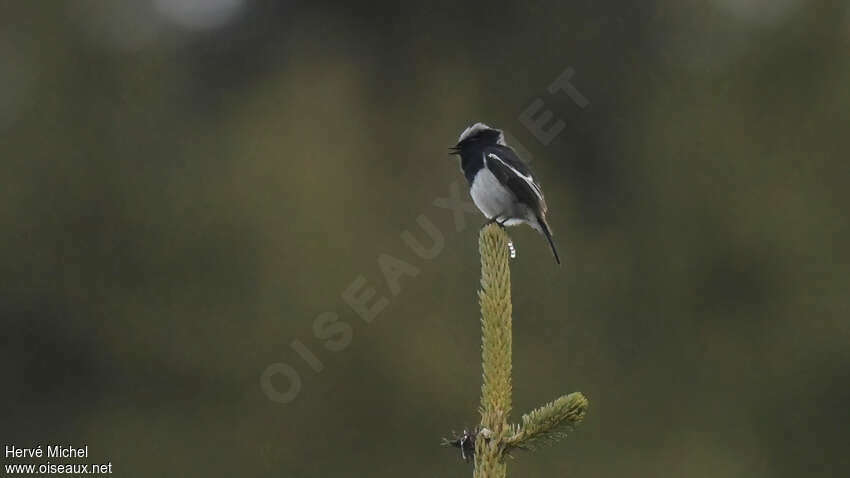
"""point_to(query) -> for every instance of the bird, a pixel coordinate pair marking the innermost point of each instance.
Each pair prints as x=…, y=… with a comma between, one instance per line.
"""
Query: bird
x=500, y=183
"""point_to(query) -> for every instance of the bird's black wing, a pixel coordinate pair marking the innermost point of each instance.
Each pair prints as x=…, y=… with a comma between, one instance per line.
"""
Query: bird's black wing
x=515, y=175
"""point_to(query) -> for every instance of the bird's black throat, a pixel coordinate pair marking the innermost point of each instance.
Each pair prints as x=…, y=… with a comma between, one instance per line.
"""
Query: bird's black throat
x=471, y=161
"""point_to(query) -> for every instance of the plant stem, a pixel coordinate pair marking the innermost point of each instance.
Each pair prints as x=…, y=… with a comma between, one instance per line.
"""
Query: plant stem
x=495, y=438
x=496, y=391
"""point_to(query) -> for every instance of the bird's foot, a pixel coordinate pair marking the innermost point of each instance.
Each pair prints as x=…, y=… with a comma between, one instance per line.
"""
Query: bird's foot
x=496, y=220
x=490, y=221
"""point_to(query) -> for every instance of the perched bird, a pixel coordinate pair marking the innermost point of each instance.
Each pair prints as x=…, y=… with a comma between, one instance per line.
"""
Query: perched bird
x=501, y=185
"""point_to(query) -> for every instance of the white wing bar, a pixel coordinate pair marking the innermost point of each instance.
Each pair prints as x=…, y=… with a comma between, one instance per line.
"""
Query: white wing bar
x=526, y=177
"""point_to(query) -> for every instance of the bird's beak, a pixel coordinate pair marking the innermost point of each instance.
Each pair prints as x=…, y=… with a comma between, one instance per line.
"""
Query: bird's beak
x=454, y=150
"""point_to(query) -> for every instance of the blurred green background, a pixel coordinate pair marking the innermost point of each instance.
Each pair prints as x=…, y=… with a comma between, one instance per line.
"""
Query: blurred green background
x=187, y=185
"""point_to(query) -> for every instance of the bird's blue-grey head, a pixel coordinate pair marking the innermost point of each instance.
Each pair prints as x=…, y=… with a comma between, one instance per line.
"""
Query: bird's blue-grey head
x=478, y=135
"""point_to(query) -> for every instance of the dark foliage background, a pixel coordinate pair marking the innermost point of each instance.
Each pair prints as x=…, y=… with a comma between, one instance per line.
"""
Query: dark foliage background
x=186, y=186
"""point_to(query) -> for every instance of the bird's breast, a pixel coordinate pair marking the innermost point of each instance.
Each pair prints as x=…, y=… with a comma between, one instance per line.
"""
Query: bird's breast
x=491, y=197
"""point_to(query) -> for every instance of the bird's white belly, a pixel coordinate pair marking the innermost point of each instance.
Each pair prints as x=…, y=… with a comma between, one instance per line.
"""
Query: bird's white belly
x=491, y=197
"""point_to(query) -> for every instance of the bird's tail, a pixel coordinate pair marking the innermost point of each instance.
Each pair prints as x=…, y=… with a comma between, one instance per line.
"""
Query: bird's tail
x=544, y=227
